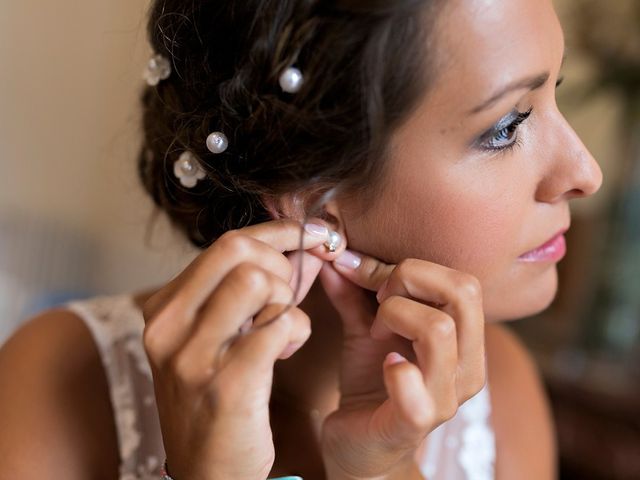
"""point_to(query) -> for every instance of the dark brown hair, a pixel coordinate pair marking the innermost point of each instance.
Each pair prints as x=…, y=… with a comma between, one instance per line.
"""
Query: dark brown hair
x=365, y=64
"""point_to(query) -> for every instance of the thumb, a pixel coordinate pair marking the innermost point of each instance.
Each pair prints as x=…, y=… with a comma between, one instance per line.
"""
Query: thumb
x=363, y=270
x=356, y=307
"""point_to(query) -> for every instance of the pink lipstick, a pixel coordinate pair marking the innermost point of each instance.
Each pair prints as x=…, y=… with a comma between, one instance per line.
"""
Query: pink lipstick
x=552, y=251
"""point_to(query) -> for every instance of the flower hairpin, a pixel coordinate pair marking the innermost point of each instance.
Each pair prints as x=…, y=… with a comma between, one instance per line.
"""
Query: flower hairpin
x=158, y=68
x=188, y=170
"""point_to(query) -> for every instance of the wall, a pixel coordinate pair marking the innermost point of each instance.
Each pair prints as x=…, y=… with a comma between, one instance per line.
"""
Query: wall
x=72, y=216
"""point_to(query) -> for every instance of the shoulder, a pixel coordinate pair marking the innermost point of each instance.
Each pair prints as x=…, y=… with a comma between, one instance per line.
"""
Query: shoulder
x=53, y=383
x=521, y=415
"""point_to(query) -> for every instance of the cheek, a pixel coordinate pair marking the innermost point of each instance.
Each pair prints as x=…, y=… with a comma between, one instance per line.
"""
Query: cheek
x=471, y=230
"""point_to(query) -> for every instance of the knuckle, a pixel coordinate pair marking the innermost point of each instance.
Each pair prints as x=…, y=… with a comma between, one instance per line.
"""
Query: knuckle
x=184, y=373
x=421, y=420
x=405, y=267
x=152, y=334
x=468, y=287
x=234, y=244
x=249, y=277
x=371, y=268
x=443, y=327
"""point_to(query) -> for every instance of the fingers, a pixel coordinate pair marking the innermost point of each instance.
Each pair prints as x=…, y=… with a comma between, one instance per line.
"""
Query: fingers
x=457, y=294
x=270, y=341
x=363, y=270
x=435, y=342
x=174, y=307
x=433, y=334
x=262, y=244
x=246, y=372
x=312, y=265
x=241, y=295
x=355, y=308
x=409, y=411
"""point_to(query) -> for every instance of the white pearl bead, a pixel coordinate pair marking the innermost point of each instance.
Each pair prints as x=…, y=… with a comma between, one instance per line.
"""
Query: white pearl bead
x=187, y=166
x=217, y=142
x=334, y=241
x=291, y=80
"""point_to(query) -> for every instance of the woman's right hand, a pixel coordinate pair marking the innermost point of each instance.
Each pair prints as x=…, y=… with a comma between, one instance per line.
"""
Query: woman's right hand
x=214, y=409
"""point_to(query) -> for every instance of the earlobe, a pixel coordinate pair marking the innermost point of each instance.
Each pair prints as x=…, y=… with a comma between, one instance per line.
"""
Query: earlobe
x=296, y=205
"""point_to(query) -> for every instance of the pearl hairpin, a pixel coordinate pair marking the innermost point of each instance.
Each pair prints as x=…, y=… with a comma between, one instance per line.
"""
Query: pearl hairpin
x=291, y=80
x=217, y=142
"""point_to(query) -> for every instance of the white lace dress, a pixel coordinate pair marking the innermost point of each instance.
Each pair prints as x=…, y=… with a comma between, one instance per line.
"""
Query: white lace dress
x=462, y=448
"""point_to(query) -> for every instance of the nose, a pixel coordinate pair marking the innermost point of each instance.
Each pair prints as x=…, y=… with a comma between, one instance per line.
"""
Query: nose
x=572, y=171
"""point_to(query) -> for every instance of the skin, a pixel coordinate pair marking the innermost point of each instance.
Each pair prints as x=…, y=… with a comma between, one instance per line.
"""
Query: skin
x=488, y=208
x=463, y=216
x=475, y=211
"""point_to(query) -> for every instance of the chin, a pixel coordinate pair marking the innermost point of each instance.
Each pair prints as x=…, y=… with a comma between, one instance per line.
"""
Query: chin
x=534, y=298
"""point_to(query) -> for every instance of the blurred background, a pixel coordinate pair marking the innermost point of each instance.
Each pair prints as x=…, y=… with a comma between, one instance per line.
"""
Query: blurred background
x=73, y=220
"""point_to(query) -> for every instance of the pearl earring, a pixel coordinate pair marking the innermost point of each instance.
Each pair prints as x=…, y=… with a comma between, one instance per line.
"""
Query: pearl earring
x=333, y=242
x=217, y=142
x=291, y=80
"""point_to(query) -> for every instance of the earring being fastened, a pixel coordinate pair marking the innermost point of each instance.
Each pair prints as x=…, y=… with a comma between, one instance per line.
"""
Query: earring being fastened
x=333, y=242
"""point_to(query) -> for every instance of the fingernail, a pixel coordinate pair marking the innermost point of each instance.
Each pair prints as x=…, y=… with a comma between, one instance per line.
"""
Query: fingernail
x=317, y=230
x=394, y=357
x=290, y=350
x=348, y=259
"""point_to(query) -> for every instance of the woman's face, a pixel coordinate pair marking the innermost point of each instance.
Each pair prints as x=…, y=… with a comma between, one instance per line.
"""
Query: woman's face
x=467, y=187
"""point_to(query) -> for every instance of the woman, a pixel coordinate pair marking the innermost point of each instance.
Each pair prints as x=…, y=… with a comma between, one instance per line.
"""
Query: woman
x=420, y=144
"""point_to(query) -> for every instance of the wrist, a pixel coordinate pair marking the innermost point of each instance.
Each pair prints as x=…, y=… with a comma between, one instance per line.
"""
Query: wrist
x=405, y=469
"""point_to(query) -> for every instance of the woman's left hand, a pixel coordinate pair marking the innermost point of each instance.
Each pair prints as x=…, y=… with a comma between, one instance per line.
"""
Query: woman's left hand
x=433, y=317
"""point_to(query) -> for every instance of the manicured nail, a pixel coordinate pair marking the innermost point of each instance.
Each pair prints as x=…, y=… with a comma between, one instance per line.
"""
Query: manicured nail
x=394, y=357
x=348, y=259
x=290, y=350
x=317, y=230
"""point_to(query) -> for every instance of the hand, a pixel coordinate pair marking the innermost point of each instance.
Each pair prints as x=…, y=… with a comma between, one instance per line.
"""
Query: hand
x=429, y=314
x=212, y=384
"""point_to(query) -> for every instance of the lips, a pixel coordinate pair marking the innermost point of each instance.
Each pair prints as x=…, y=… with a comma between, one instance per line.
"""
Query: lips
x=553, y=249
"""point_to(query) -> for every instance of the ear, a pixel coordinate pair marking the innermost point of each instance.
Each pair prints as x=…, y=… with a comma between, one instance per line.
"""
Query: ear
x=297, y=205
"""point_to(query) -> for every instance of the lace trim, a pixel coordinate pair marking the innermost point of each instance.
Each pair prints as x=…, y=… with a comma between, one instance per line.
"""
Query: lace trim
x=117, y=329
x=477, y=454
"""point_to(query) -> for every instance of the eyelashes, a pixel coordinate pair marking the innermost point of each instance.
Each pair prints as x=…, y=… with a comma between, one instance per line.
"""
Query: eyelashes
x=504, y=135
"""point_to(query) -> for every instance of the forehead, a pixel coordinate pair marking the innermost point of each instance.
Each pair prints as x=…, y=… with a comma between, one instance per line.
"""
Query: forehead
x=483, y=44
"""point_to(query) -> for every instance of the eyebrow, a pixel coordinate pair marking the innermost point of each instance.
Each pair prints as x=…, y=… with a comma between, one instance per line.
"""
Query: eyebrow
x=530, y=83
